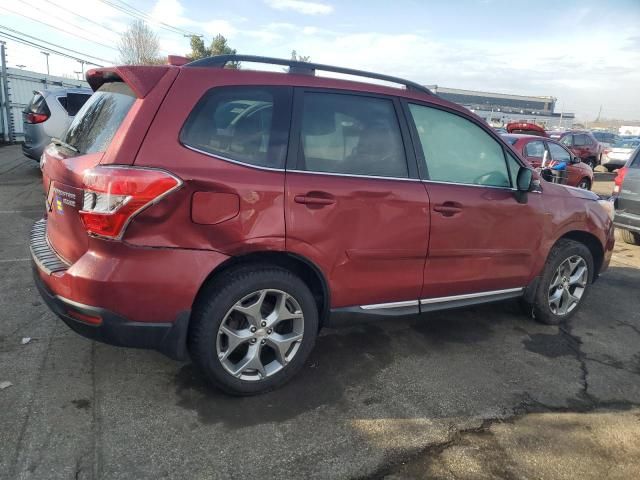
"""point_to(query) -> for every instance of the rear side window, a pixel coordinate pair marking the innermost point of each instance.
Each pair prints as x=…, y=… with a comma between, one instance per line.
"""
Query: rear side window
x=580, y=140
x=567, y=140
x=244, y=124
x=98, y=120
x=38, y=105
x=75, y=101
x=351, y=134
x=457, y=150
x=534, y=149
x=63, y=101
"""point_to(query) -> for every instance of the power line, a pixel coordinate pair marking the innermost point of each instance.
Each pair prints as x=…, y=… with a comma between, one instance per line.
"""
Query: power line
x=89, y=20
x=58, y=17
x=55, y=45
x=109, y=29
x=33, y=44
x=60, y=29
x=140, y=15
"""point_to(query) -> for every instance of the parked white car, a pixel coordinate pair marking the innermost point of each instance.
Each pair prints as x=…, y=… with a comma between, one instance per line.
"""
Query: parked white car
x=617, y=155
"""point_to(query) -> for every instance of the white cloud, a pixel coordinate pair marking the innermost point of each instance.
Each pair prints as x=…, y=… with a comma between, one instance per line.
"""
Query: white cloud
x=301, y=6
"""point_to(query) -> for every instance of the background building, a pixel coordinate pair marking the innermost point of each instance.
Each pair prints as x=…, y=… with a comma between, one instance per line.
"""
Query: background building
x=498, y=109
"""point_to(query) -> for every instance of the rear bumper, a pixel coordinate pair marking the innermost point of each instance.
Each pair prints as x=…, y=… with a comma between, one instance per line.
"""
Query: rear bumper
x=613, y=162
x=33, y=151
x=123, y=295
x=627, y=221
x=167, y=338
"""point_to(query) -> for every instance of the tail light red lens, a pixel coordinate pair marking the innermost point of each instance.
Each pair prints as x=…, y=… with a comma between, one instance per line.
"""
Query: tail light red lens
x=36, y=117
x=114, y=195
x=619, y=179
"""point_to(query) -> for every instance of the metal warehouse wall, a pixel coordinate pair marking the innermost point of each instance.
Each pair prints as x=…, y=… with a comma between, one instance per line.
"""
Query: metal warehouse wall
x=21, y=84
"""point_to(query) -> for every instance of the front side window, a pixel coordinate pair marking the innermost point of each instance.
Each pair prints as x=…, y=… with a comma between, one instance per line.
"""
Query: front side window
x=558, y=153
x=351, y=134
x=534, y=149
x=457, y=150
x=245, y=124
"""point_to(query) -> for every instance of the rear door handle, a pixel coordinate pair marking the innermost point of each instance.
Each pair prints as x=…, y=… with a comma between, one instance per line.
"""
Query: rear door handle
x=314, y=199
x=448, y=209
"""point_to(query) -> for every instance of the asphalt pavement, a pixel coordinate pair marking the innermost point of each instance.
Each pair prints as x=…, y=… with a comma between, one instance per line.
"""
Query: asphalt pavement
x=476, y=393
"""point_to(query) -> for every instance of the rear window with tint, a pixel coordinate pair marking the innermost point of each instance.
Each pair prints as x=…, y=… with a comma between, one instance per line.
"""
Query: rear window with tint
x=244, y=124
x=98, y=120
x=38, y=105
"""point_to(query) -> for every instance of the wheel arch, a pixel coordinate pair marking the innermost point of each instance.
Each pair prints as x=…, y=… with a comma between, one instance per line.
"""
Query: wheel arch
x=304, y=268
x=592, y=243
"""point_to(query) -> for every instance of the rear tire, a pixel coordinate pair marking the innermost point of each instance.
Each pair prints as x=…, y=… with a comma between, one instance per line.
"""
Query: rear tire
x=564, y=283
x=632, y=238
x=253, y=330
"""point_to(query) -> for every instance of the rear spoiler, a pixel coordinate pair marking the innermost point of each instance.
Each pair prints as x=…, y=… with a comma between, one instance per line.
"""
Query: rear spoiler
x=140, y=78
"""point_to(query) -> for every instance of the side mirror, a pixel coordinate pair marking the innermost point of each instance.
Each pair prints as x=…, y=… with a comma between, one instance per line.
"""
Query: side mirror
x=525, y=176
x=576, y=159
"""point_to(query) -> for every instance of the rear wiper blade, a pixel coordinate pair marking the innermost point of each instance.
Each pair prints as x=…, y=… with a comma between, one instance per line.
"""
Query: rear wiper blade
x=57, y=141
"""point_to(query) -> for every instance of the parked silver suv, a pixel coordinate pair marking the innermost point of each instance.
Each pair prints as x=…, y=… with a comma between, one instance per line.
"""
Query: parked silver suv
x=48, y=115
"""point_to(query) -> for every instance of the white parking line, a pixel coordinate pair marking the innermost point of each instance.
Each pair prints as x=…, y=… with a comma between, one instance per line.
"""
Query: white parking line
x=15, y=260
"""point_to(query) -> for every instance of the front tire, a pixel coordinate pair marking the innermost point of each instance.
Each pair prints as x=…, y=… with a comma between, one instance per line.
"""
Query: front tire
x=632, y=238
x=252, y=331
x=564, y=284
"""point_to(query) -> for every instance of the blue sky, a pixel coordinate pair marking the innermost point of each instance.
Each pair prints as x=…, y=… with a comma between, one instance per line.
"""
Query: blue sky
x=586, y=53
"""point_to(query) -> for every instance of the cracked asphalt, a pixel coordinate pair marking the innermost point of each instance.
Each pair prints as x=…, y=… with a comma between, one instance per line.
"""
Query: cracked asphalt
x=474, y=393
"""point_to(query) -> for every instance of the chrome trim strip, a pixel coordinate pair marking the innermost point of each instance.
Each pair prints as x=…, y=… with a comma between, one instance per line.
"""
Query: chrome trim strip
x=427, y=301
x=470, y=185
x=237, y=162
x=377, y=306
x=355, y=176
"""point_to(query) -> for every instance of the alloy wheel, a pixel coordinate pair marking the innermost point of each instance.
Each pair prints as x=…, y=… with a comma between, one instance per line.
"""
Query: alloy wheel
x=260, y=334
x=568, y=285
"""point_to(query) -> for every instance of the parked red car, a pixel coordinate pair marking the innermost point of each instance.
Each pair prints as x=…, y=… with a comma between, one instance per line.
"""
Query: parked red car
x=232, y=213
x=526, y=128
x=536, y=150
x=583, y=144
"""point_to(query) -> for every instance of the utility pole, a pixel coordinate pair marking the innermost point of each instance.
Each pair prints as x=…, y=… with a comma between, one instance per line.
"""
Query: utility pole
x=46, y=54
x=8, y=131
x=599, y=113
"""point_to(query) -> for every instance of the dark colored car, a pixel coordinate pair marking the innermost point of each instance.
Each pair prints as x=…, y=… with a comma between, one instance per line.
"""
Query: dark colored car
x=232, y=213
x=48, y=115
x=627, y=200
x=538, y=151
x=584, y=145
x=606, y=139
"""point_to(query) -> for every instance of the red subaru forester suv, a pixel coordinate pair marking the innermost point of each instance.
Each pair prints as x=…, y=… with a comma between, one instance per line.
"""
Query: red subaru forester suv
x=229, y=214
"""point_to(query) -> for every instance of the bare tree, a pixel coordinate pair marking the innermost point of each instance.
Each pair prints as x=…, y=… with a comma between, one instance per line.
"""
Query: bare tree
x=139, y=45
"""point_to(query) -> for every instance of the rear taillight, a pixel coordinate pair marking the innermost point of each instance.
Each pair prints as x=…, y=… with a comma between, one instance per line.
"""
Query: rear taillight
x=36, y=117
x=619, y=179
x=114, y=195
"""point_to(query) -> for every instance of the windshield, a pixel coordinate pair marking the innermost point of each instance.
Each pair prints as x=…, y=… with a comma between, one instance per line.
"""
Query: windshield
x=98, y=120
x=626, y=144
